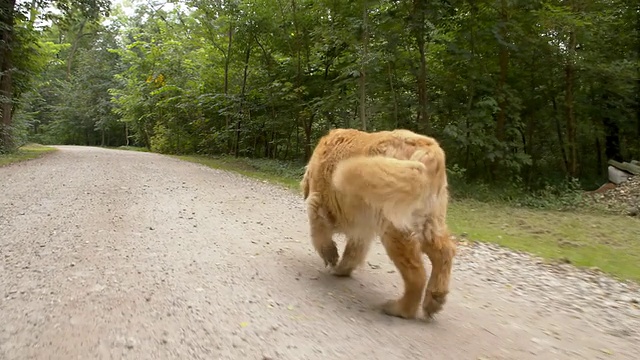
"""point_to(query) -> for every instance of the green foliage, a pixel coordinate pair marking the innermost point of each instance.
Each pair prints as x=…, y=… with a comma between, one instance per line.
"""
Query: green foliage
x=567, y=195
x=563, y=196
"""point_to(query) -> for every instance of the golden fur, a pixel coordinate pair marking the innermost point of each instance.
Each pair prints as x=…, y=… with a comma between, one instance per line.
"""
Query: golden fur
x=388, y=183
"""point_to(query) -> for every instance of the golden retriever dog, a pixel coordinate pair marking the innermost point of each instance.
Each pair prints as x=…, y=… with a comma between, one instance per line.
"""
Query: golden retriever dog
x=388, y=183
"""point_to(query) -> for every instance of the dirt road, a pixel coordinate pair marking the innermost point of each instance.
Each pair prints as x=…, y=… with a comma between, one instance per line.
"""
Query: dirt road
x=109, y=254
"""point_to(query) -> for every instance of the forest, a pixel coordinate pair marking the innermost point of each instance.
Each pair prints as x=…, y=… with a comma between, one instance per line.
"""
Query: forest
x=531, y=92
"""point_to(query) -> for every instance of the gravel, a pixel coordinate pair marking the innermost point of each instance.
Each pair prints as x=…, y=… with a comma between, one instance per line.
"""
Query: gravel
x=602, y=302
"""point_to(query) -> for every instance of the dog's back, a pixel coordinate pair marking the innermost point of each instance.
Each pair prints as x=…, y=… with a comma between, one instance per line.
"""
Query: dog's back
x=396, y=176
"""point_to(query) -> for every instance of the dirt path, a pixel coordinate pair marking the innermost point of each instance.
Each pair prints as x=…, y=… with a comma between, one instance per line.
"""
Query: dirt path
x=109, y=254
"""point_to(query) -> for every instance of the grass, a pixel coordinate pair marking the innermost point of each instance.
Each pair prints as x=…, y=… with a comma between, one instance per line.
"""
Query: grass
x=274, y=172
x=585, y=239
x=131, y=148
x=26, y=152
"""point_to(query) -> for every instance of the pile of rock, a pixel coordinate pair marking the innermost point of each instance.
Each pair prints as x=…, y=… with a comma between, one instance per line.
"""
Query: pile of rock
x=622, y=192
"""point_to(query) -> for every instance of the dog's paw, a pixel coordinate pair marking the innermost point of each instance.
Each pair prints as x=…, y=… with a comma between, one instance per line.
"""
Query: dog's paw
x=433, y=303
x=398, y=309
x=341, y=272
x=330, y=255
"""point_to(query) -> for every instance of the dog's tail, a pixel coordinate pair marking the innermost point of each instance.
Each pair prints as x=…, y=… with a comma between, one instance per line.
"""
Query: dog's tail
x=393, y=185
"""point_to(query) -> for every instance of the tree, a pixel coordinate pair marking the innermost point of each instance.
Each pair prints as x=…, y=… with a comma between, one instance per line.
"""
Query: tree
x=18, y=35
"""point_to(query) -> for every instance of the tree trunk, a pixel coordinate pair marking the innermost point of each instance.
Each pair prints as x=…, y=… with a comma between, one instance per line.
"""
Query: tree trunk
x=468, y=125
x=6, y=70
x=147, y=137
x=288, y=146
x=531, y=127
x=395, y=95
x=126, y=133
x=304, y=119
x=33, y=13
x=298, y=138
x=599, y=156
x=74, y=47
x=612, y=140
x=363, y=77
x=638, y=110
x=471, y=85
x=503, y=63
x=569, y=108
x=227, y=60
x=612, y=132
x=242, y=95
x=307, y=134
x=559, y=133
x=419, y=33
x=503, y=59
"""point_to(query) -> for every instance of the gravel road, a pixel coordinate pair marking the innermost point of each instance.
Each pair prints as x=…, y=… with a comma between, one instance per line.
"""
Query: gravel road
x=108, y=254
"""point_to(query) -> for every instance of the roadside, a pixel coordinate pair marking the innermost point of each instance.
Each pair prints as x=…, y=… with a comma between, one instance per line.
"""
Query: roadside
x=26, y=152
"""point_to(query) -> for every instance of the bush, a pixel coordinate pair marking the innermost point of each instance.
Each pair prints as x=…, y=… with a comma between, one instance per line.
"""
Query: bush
x=561, y=195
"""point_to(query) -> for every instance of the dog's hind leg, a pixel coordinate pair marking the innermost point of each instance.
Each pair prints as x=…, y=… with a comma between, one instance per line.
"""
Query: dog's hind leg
x=407, y=257
x=321, y=231
x=441, y=251
x=354, y=254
